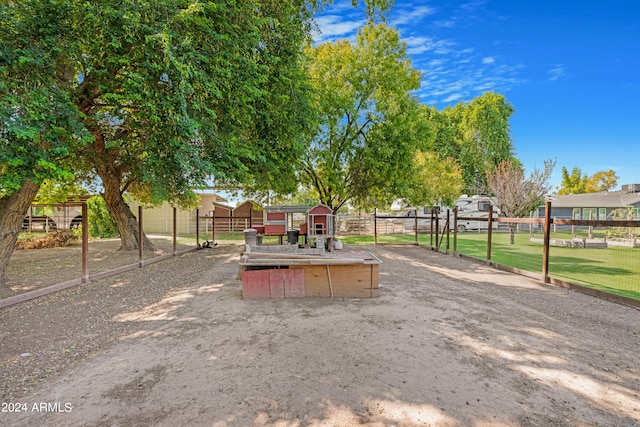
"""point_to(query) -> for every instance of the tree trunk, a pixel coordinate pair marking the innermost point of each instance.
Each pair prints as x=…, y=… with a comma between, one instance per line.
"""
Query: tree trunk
x=513, y=227
x=126, y=222
x=13, y=208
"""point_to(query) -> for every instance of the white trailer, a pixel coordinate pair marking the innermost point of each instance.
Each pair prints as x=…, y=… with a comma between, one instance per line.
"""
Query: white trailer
x=473, y=207
x=468, y=207
x=54, y=217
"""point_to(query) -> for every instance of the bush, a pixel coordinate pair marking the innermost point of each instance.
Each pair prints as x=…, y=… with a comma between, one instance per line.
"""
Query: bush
x=622, y=232
x=56, y=239
x=101, y=224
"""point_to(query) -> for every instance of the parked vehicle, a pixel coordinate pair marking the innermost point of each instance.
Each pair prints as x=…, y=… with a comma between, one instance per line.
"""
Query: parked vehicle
x=407, y=215
x=468, y=207
x=48, y=218
x=474, y=207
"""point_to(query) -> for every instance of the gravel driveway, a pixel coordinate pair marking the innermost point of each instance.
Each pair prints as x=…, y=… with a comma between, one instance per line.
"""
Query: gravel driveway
x=448, y=343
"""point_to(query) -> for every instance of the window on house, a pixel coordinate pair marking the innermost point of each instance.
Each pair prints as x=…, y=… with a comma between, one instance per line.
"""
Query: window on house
x=576, y=213
x=602, y=214
x=589, y=213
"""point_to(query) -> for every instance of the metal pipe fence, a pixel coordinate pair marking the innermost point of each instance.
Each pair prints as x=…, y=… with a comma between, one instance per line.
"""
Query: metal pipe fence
x=597, y=257
x=592, y=256
x=60, y=268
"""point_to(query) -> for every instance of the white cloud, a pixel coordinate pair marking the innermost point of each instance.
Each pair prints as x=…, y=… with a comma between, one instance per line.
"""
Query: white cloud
x=418, y=45
x=446, y=24
x=473, y=6
x=462, y=14
x=453, y=98
x=558, y=72
x=451, y=79
x=488, y=85
x=332, y=27
x=341, y=6
x=402, y=17
x=488, y=60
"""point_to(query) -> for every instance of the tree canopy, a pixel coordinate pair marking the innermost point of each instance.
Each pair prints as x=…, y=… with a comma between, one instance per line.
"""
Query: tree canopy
x=40, y=127
x=575, y=182
x=369, y=125
x=476, y=134
x=436, y=181
x=151, y=98
x=159, y=96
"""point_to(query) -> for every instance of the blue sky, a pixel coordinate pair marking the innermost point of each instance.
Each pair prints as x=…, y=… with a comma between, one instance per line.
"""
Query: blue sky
x=571, y=70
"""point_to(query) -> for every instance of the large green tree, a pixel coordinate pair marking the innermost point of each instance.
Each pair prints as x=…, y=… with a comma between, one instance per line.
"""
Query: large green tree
x=151, y=98
x=171, y=92
x=369, y=124
x=40, y=128
x=476, y=134
x=175, y=92
x=436, y=181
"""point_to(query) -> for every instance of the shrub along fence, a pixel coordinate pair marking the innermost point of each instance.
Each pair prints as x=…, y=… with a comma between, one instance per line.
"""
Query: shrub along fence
x=600, y=258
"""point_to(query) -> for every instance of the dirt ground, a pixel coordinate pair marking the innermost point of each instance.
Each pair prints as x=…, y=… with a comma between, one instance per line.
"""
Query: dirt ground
x=449, y=342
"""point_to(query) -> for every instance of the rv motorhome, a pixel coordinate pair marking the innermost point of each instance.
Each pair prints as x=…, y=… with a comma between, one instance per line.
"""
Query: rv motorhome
x=468, y=207
x=474, y=207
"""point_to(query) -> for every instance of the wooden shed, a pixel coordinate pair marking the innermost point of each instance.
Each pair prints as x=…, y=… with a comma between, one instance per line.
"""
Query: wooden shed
x=222, y=217
x=246, y=215
x=275, y=223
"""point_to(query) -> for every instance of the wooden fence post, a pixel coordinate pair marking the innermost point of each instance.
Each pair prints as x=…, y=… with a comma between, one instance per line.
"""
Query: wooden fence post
x=140, y=242
x=175, y=229
x=85, y=243
x=489, y=233
x=415, y=228
x=446, y=250
x=431, y=229
x=198, y=227
x=547, y=239
x=455, y=231
x=437, y=229
x=375, y=226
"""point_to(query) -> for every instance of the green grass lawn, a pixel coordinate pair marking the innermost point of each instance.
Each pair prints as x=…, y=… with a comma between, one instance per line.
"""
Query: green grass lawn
x=614, y=270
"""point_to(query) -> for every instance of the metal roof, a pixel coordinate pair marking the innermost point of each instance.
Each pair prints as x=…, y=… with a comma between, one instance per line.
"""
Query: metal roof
x=610, y=199
x=288, y=209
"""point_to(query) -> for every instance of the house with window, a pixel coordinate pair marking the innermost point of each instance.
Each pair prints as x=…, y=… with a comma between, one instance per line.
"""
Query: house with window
x=595, y=206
